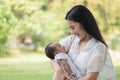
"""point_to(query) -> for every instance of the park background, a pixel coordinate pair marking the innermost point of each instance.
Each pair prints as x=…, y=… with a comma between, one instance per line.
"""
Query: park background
x=26, y=26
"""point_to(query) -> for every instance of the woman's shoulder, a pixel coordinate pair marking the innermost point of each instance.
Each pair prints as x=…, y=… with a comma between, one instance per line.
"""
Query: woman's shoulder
x=99, y=44
x=69, y=39
x=100, y=47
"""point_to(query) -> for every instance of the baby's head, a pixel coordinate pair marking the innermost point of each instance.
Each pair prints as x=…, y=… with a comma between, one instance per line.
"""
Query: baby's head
x=53, y=48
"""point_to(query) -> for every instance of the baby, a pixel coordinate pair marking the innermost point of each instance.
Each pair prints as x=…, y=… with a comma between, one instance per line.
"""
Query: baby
x=56, y=51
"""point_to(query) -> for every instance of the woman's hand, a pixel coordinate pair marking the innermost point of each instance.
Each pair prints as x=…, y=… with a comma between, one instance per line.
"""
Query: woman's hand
x=60, y=75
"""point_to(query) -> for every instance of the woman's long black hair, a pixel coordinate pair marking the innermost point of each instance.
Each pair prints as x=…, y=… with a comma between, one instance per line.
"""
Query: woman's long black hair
x=81, y=14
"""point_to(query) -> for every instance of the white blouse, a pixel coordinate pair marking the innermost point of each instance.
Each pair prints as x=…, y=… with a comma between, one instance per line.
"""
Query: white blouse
x=94, y=57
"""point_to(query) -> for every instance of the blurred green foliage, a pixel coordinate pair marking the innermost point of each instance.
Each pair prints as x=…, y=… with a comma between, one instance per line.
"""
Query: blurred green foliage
x=24, y=17
x=7, y=23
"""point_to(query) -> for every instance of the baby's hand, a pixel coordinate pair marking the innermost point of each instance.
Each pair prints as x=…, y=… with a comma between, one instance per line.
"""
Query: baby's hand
x=73, y=74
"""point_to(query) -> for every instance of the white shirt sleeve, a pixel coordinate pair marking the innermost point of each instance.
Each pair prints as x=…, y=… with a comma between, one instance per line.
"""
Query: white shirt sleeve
x=97, y=60
x=61, y=56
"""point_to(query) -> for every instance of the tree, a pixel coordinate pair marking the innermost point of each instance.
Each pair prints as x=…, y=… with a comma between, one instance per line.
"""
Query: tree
x=7, y=23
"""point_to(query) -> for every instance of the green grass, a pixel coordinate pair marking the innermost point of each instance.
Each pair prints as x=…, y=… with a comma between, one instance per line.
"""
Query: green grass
x=117, y=69
x=30, y=67
x=26, y=71
x=26, y=68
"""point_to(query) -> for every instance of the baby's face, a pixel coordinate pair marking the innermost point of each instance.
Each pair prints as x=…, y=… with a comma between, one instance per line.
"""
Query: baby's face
x=58, y=47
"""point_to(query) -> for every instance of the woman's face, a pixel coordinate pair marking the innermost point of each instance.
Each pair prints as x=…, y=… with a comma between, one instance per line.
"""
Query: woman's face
x=77, y=29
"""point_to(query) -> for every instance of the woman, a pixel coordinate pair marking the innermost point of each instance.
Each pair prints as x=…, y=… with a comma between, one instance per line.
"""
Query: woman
x=86, y=47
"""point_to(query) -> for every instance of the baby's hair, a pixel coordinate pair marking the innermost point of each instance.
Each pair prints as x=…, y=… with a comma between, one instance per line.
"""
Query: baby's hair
x=49, y=51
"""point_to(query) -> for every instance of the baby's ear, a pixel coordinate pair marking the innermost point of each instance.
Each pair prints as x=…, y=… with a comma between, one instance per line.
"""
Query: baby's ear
x=55, y=52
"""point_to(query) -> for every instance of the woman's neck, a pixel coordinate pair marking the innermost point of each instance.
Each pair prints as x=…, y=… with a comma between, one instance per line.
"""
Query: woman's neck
x=84, y=41
x=86, y=38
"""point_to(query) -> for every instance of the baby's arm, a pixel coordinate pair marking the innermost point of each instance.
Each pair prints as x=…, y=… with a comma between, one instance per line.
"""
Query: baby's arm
x=63, y=62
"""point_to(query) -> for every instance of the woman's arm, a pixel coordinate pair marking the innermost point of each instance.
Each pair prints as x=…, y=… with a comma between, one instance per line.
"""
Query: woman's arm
x=58, y=70
x=66, y=65
x=90, y=76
